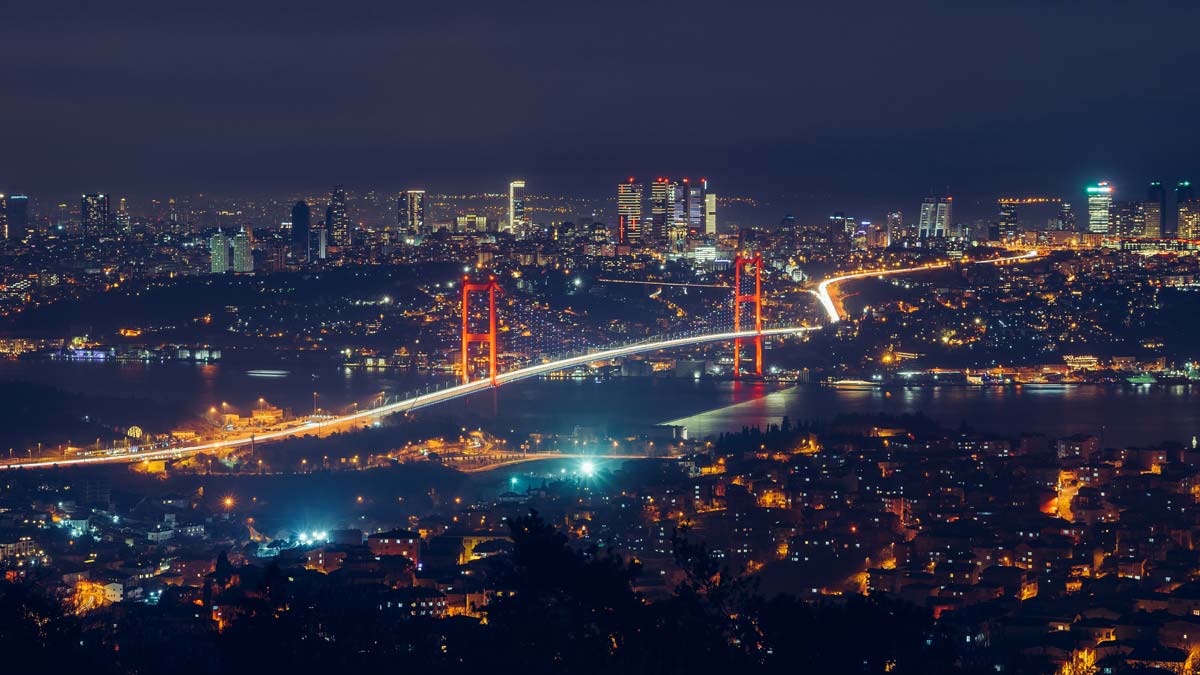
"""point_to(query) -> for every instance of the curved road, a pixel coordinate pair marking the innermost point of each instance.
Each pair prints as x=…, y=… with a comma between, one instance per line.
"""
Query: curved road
x=834, y=312
x=410, y=403
x=823, y=294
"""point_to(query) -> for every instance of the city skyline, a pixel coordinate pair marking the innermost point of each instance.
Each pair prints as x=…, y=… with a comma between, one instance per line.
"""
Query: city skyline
x=1057, y=126
x=1145, y=209
x=672, y=338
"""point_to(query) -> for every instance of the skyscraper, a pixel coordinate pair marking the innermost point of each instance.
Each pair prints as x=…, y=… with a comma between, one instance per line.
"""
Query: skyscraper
x=667, y=209
x=93, y=213
x=410, y=212
x=630, y=196
x=710, y=213
x=677, y=220
x=937, y=215
x=17, y=215
x=5, y=234
x=122, y=219
x=840, y=232
x=694, y=208
x=1126, y=218
x=1007, y=221
x=320, y=240
x=660, y=205
x=517, y=223
x=301, y=226
x=895, y=227
x=1153, y=210
x=338, y=221
x=218, y=247
x=1188, y=212
x=243, y=256
x=1066, y=217
x=1099, y=199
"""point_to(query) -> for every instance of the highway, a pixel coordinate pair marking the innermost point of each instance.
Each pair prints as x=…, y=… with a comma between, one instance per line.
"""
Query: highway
x=834, y=313
x=443, y=395
x=413, y=403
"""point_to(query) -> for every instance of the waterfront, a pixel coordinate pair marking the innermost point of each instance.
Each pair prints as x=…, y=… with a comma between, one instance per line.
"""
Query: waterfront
x=1124, y=415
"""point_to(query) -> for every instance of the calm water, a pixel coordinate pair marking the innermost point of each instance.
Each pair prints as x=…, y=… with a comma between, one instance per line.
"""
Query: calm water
x=1124, y=415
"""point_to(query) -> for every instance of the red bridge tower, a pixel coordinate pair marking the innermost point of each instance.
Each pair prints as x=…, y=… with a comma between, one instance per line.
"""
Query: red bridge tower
x=740, y=299
x=489, y=338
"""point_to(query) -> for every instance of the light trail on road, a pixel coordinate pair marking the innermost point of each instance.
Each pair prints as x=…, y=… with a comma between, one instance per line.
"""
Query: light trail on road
x=412, y=403
x=458, y=391
x=660, y=283
x=831, y=308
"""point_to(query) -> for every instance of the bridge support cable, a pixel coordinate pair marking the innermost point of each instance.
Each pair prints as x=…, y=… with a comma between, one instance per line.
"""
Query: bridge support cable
x=740, y=299
x=489, y=338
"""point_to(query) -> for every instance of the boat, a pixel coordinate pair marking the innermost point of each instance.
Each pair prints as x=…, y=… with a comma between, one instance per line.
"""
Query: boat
x=851, y=384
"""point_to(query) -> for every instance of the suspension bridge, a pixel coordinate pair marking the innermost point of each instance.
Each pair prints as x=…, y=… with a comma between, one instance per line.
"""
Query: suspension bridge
x=825, y=292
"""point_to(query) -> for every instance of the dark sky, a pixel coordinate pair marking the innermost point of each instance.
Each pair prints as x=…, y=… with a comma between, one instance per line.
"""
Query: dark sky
x=815, y=105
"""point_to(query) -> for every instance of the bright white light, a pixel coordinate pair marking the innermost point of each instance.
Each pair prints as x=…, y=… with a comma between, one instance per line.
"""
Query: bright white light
x=588, y=469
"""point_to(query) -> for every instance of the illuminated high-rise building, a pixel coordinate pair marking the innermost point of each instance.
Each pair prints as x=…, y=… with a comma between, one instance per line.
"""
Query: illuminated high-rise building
x=5, y=233
x=694, y=203
x=410, y=213
x=1153, y=210
x=630, y=197
x=471, y=222
x=93, y=213
x=1007, y=222
x=337, y=219
x=1066, y=218
x=16, y=215
x=879, y=235
x=896, y=231
x=668, y=210
x=1187, y=212
x=218, y=247
x=710, y=214
x=301, y=229
x=1126, y=219
x=661, y=206
x=677, y=216
x=122, y=218
x=699, y=208
x=320, y=242
x=937, y=216
x=840, y=231
x=1099, y=198
x=243, y=256
x=518, y=224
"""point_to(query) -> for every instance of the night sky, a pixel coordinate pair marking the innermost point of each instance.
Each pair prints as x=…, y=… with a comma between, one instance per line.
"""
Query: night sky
x=814, y=105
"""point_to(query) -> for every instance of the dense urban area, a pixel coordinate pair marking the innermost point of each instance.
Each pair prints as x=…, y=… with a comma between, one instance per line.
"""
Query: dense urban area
x=318, y=536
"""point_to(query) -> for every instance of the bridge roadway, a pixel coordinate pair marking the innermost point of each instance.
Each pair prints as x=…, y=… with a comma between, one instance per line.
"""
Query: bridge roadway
x=413, y=403
x=451, y=393
x=834, y=312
